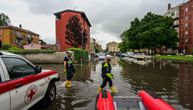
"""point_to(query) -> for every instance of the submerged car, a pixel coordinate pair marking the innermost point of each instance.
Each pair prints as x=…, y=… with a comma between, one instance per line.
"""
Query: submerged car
x=22, y=84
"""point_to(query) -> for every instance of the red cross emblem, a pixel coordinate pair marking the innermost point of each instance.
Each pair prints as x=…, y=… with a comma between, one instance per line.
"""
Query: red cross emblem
x=30, y=93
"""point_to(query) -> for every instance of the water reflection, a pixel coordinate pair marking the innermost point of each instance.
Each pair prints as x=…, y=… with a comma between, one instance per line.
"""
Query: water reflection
x=172, y=81
x=150, y=78
x=185, y=86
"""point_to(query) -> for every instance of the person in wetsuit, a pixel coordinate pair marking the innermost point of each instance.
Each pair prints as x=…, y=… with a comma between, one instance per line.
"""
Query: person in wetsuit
x=107, y=75
x=69, y=69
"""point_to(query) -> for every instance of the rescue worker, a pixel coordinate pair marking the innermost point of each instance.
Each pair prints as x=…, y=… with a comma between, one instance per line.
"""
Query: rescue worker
x=69, y=69
x=106, y=75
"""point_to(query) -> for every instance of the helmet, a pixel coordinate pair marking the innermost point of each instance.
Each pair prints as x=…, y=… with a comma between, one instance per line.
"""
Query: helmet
x=70, y=52
x=108, y=56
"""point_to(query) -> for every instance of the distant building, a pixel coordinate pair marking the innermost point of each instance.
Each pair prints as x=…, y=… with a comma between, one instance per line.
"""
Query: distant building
x=49, y=46
x=17, y=36
x=99, y=47
x=174, y=13
x=62, y=18
x=113, y=47
x=94, y=46
x=32, y=46
x=186, y=27
x=42, y=42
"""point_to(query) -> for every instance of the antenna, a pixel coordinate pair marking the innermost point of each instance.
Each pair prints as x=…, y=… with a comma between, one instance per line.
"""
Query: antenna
x=75, y=7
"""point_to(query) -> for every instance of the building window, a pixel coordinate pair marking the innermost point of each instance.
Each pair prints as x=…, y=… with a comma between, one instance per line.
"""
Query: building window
x=173, y=13
x=186, y=9
x=186, y=18
x=186, y=32
x=186, y=25
x=186, y=40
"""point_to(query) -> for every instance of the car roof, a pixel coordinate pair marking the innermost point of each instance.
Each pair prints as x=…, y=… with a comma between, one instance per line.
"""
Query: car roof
x=8, y=54
x=4, y=54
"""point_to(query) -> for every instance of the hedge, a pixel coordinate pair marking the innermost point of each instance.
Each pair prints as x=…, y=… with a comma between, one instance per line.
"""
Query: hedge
x=6, y=46
x=80, y=54
x=22, y=51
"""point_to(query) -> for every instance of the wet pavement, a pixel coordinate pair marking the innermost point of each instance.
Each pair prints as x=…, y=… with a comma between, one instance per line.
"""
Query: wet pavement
x=171, y=81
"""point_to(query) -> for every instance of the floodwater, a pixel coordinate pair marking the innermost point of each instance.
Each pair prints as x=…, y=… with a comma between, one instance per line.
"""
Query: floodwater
x=171, y=81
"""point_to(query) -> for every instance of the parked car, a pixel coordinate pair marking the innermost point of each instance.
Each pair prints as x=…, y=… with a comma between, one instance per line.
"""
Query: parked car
x=101, y=56
x=129, y=54
x=139, y=56
x=22, y=84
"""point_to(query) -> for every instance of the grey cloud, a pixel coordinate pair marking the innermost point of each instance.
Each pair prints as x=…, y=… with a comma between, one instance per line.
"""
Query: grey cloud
x=47, y=7
x=109, y=16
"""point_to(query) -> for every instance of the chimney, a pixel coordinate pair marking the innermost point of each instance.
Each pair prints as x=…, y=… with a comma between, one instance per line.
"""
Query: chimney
x=169, y=6
x=20, y=26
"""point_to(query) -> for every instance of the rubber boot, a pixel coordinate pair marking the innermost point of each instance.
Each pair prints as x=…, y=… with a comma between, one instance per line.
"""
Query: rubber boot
x=66, y=83
x=99, y=89
x=69, y=84
x=113, y=89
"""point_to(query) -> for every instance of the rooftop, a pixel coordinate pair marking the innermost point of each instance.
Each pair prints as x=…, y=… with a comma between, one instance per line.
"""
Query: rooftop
x=18, y=29
x=113, y=42
x=58, y=14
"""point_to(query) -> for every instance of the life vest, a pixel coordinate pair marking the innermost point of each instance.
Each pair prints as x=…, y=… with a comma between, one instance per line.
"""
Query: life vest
x=106, y=68
x=70, y=65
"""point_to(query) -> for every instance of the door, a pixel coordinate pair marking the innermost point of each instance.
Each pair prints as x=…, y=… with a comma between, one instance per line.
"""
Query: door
x=24, y=90
x=4, y=94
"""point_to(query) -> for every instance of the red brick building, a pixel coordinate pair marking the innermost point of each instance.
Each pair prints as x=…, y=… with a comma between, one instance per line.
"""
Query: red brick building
x=186, y=27
x=62, y=18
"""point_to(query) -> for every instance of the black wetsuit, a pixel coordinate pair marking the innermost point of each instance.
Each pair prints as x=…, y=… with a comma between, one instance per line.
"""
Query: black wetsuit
x=69, y=68
x=106, y=68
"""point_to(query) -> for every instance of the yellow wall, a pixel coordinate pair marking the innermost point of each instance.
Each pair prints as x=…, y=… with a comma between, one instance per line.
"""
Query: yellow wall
x=9, y=35
x=113, y=47
x=6, y=36
x=35, y=39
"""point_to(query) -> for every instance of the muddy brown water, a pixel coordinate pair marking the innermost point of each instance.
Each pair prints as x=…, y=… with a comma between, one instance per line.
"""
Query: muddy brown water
x=171, y=81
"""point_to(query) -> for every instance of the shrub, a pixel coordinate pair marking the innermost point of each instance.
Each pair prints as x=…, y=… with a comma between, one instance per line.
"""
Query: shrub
x=80, y=54
x=22, y=51
x=14, y=48
x=6, y=46
x=192, y=51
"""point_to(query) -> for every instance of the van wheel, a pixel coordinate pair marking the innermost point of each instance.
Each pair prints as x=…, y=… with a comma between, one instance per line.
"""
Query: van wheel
x=50, y=95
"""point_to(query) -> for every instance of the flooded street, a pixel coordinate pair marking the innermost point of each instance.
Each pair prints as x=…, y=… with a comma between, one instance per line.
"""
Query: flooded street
x=171, y=81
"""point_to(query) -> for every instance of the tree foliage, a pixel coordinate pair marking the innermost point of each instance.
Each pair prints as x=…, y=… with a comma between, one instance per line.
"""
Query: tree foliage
x=4, y=20
x=151, y=32
x=75, y=35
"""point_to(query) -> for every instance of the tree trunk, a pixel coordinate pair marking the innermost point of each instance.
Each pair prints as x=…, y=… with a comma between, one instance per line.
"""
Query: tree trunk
x=161, y=51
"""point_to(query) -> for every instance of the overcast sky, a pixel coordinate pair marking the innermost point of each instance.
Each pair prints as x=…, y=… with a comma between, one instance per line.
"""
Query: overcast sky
x=108, y=17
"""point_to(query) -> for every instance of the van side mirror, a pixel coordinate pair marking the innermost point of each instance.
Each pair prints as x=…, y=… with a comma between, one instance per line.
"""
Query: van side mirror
x=38, y=69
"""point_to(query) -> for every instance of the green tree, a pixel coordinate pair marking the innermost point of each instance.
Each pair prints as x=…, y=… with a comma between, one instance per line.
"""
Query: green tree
x=4, y=20
x=151, y=32
x=75, y=35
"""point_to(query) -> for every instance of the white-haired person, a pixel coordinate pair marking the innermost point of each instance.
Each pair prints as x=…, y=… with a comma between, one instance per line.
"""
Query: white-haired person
x=69, y=68
x=107, y=75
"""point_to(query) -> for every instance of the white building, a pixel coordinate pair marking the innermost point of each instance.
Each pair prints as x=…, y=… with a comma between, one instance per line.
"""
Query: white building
x=174, y=13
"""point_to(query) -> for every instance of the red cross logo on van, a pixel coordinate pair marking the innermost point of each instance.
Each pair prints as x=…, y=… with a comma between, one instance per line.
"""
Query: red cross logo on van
x=30, y=94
